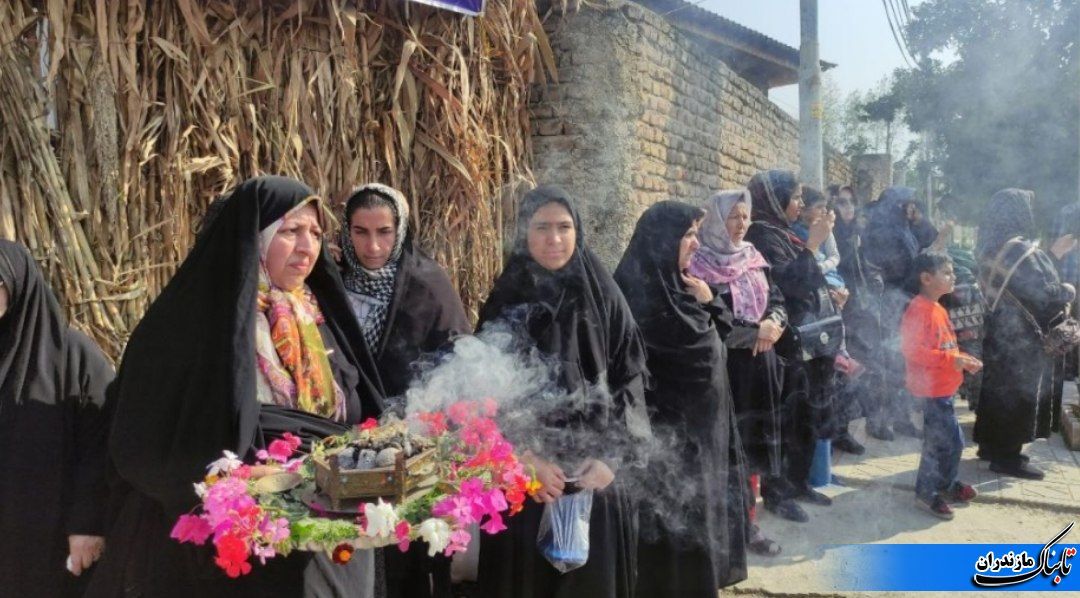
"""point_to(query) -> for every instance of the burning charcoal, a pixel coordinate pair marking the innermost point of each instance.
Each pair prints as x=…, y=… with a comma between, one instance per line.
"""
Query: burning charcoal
x=366, y=460
x=386, y=457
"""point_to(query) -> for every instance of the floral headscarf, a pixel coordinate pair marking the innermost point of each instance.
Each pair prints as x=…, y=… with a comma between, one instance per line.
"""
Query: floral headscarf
x=290, y=351
x=738, y=265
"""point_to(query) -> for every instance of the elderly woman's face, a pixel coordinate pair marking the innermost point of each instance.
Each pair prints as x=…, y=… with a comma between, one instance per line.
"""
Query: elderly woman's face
x=552, y=236
x=293, y=251
x=738, y=222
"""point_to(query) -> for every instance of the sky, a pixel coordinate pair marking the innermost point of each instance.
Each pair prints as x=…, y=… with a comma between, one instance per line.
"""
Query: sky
x=854, y=34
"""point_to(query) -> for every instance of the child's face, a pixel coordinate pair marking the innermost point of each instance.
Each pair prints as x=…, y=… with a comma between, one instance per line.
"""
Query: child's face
x=939, y=283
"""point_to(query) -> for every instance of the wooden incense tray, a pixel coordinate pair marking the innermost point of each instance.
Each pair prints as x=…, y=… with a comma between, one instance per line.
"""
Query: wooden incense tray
x=392, y=483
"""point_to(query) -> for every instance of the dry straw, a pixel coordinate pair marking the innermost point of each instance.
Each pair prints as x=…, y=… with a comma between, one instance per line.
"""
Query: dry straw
x=120, y=121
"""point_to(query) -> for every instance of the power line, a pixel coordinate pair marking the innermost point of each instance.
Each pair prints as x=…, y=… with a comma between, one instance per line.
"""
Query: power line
x=902, y=23
x=907, y=10
x=896, y=38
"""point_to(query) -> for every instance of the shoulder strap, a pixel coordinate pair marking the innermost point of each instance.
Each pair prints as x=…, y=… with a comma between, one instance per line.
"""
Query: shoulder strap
x=996, y=267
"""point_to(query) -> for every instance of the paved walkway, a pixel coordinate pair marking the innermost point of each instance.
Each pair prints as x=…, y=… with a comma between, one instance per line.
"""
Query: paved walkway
x=877, y=505
x=895, y=463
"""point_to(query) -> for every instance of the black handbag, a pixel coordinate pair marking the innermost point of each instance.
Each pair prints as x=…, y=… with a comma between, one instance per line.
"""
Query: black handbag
x=822, y=336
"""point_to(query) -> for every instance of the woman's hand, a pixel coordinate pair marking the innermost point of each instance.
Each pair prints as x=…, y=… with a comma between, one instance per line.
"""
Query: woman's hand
x=768, y=333
x=840, y=297
x=697, y=287
x=594, y=474
x=944, y=234
x=83, y=551
x=820, y=230
x=551, y=477
x=335, y=251
x=1064, y=244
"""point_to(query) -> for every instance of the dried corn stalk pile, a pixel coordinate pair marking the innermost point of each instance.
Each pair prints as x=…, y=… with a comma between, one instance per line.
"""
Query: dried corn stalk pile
x=121, y=120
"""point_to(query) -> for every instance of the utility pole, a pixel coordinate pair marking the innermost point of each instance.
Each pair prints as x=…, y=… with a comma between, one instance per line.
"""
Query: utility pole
x=811, y=163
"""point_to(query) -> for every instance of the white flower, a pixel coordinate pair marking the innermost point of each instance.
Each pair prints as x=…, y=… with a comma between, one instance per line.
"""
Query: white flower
x=200, y=490
x=225, y=464
x=381, y=519
x=436, y=533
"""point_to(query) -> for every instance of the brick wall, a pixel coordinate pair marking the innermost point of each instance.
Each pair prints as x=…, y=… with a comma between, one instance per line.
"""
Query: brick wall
x=643, y=112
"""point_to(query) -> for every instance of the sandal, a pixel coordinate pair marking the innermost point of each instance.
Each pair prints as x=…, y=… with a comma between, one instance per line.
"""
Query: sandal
x=761, y=545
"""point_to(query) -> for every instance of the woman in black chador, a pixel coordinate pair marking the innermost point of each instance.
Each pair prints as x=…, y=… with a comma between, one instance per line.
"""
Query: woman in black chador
x=557, y=293
x=406, y=307
x=253, y=337
x=890, y=246
x=52, y=437
x=1025, y=296
x=809, y=390
x=694, y=522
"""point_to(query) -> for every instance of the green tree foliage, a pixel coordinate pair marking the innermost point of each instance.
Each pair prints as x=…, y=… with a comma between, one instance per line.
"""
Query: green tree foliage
x=998, y=87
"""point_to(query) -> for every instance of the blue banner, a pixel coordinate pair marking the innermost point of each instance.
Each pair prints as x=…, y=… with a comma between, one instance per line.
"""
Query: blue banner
x=954, y=567
x=468, y=7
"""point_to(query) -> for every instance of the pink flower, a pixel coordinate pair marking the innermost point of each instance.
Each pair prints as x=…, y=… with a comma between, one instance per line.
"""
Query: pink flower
x=459, y=542
x=494, y=502
x=191, y=528
x=280, y=450
x=494, y=524
x=274, y=530
x=264, y=552
x=457, y=506
x=293, y=440
x=401, y=532
x=461, y=412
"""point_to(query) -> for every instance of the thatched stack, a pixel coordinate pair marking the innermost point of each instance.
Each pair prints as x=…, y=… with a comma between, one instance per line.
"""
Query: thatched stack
x=120, y=121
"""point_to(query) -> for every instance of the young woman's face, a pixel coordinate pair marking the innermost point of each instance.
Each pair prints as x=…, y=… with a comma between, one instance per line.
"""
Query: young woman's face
x=845, y=205
x=795, y=205
x=688, y=245
x=738, y=222
x=373, y=232
x=552, y=236
x=293, y=251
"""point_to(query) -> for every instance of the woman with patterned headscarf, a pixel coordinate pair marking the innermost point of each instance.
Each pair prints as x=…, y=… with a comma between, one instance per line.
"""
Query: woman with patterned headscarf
x=407, y=307
x=809, y=390
x=1025, y=296
x=253, y=337
x=740, y=279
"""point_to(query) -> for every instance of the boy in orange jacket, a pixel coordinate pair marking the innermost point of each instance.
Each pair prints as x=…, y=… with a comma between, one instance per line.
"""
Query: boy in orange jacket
x=935, y=370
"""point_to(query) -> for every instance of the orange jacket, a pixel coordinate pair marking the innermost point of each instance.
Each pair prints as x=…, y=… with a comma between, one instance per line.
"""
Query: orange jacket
x=928, y=342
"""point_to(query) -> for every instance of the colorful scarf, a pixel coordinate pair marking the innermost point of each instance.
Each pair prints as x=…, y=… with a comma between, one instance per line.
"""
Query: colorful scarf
x=293, y=357
x=740, y=266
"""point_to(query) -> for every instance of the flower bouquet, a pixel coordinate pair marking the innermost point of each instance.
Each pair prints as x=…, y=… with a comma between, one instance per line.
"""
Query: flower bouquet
x=264, y=509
